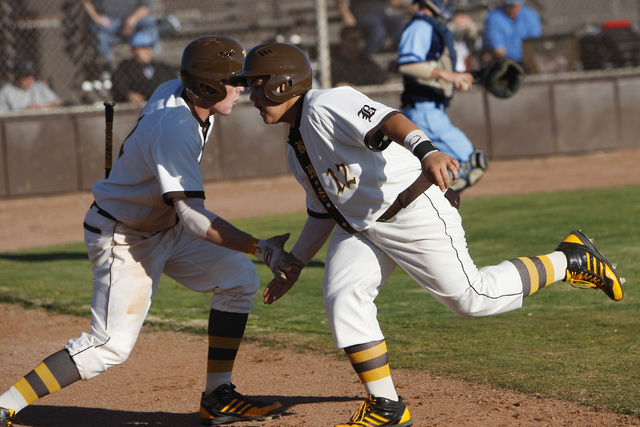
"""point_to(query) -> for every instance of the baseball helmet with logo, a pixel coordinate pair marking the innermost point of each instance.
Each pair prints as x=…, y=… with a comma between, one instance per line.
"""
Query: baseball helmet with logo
x=207, y=64
x=281, y=64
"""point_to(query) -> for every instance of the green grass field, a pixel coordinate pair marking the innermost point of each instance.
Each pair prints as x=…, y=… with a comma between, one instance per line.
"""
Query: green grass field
x=565, y=343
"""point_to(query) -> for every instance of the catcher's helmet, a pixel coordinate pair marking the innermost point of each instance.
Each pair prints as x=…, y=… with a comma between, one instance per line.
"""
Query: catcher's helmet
x=207, y=63
x=282, y=64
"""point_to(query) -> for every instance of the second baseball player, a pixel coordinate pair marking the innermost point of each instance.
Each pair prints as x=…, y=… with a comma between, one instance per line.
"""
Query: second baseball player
x=370, y=170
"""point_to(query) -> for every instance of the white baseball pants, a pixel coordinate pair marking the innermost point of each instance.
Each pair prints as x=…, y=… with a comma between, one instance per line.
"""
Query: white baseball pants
x=127, y=266
x=427, y=240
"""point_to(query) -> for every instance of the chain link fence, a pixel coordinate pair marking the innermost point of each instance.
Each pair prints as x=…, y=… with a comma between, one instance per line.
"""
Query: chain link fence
x=54, y=35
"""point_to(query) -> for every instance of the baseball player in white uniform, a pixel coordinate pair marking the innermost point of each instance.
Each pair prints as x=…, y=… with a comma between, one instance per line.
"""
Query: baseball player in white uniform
x=369, y=169
x=148, y=219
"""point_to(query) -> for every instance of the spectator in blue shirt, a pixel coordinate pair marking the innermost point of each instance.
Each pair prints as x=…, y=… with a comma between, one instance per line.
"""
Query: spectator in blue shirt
x=507, y=26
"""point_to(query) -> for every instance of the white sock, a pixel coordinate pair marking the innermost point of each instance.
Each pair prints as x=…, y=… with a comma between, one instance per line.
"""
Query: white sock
x=12, y=399
x=559, y=261
x=216, y=380
x=382, y=388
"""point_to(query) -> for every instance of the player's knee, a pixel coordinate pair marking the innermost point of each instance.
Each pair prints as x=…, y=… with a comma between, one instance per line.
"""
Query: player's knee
x=478, y=304
x=94, y=354
x=117, y=349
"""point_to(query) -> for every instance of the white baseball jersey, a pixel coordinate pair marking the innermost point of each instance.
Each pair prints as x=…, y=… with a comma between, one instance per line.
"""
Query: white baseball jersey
x=160, y=157
x=426, y=238
x=363, y=186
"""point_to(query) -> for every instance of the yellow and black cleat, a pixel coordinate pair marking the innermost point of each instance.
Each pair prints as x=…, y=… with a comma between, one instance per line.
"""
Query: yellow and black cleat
x=377, y=411
x=224, y=405
x=6, y=415
x=588, y=268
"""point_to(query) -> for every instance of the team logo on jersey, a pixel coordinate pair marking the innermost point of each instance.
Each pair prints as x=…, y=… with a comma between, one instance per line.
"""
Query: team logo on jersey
x=366, y=112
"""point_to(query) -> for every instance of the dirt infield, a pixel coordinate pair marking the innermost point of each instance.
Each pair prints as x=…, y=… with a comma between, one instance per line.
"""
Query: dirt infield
x=160, y=384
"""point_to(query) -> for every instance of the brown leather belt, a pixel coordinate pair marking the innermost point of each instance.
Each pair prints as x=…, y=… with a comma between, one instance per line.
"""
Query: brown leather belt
x=411, y=193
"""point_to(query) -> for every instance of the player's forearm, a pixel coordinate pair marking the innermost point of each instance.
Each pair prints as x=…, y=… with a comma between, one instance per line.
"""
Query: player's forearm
x=206, y=225
x=224, y=234
x=419, y=70
x=315, y=233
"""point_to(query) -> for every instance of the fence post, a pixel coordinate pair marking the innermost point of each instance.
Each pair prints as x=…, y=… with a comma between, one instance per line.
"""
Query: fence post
x=324, y=57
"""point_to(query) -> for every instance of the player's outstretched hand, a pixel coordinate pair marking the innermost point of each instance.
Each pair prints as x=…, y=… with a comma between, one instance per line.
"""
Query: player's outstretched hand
x=288, y=268
x=275, y=290
x=436, y=168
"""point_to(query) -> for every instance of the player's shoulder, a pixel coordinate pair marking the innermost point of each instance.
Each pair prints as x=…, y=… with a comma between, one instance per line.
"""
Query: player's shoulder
x=331, y=101
x=167, y=94
x=170, y=87
x=332, y=95
x=419, y=21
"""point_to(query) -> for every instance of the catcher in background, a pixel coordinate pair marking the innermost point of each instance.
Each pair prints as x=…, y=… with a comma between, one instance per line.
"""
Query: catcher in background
x=369, y=169
x=426, y=59
x=149, y=219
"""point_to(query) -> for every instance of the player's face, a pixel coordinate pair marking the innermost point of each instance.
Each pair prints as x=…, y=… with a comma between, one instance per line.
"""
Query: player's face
x=225, y=106
x=271, y=112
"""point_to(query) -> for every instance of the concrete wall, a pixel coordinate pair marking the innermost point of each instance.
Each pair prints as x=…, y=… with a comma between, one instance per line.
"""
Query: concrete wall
x=62, y=150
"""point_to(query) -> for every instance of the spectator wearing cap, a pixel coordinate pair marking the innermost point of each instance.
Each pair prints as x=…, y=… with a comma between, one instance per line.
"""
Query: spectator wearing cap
x=506, y=27
x=25, y=92
x=137, y=77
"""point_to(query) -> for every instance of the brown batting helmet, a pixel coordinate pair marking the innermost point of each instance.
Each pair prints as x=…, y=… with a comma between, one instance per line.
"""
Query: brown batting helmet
x=282, y=64
x=207, y=64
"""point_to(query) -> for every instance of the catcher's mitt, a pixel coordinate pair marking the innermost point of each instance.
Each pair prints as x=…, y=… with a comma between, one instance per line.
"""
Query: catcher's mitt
x=501, y=79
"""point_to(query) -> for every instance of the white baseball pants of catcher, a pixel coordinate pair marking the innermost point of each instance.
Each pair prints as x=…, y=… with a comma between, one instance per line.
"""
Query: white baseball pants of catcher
x=427, y=240
x=127, y=266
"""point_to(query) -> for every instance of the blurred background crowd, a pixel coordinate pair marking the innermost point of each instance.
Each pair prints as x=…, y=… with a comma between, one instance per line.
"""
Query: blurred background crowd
x=82, y=52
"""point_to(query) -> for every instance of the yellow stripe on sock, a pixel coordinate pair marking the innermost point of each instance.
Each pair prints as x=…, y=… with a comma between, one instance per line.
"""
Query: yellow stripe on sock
x=27, y=392
x=551, y=273
x=219, y=366
x=375, y=374
x=224, y=342
x=368, y=354
x=47, y=378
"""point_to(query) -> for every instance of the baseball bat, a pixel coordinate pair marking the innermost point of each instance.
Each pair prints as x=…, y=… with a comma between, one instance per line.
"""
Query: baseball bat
x=108, y=137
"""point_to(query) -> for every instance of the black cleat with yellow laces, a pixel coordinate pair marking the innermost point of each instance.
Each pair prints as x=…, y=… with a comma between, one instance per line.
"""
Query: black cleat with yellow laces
x=588, y=268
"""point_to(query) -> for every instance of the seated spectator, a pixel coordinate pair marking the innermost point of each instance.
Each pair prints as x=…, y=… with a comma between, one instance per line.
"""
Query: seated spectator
x=379, y=20
x=136, y=78
x=122, y=19
x=506, y=27
x=350, y=65
x=25, y=92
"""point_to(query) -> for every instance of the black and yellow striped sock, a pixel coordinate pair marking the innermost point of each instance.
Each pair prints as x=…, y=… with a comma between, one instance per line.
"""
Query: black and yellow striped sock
x=225, y=335
x=535, y=272
x=54, y=373
x=371, y=363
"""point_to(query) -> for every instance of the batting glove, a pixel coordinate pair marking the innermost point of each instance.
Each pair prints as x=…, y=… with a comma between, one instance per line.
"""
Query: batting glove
x=271, y=252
